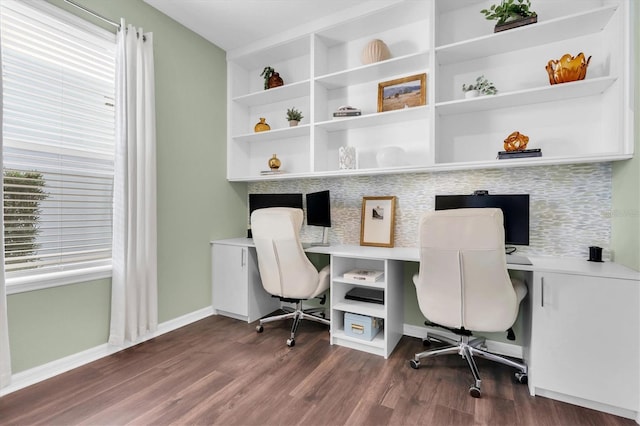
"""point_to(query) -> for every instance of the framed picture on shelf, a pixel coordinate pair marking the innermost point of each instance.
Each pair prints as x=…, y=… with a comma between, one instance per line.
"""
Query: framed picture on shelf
x=402, y=93
x=378, y=221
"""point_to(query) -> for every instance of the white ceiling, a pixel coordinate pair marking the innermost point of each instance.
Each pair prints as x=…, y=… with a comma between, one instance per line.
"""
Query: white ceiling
x=232, y=24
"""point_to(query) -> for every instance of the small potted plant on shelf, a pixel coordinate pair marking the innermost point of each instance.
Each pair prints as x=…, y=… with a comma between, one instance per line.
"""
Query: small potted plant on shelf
x=294, y=116
x=271, y=78
x=482, y=86
x=510, y=14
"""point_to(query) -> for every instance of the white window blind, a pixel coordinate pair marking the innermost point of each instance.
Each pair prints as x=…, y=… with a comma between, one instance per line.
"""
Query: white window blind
x=59, y=128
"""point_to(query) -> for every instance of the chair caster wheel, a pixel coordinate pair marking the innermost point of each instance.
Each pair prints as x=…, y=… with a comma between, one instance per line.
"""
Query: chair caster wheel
x=474, y=391
x=414, y=364
x=291, y=343
x=426, y=342
x=259, y=329
x=522, y=378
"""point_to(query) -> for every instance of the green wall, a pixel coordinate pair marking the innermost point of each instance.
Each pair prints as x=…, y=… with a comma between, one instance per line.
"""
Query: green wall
x=625, y=214
x=56, y=322
x=195, y=202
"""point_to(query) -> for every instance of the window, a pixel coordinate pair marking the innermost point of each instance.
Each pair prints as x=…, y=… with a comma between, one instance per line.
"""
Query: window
x=58, y=76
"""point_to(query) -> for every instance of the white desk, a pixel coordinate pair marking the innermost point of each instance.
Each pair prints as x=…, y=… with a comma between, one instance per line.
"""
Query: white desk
x=572, y=266
x=583, y=318
x=564, y=265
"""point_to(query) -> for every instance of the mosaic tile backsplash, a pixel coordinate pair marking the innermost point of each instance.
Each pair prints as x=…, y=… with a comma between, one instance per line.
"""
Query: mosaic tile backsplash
x=570, y=204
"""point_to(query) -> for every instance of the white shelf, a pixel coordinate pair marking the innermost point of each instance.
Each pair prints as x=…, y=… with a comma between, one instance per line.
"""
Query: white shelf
x=576, y=89
x=447, y=167
x=527, y=36
x=361, y=308
x=532, y=161
x=273, y=134
x=378, y=71
x=377, y=119
x=449, y=5
x=276, y=94
x=344, y=259
x=281, y=52
x=374, y=284
x=376, y=342
x=380, y=20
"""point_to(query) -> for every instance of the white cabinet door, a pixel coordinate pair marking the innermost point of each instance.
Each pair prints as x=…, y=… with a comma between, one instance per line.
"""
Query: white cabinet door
x=585, y=338
x=230, y=279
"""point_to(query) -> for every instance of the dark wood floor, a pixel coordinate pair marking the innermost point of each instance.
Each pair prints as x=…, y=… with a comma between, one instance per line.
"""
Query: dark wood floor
x=220, y=371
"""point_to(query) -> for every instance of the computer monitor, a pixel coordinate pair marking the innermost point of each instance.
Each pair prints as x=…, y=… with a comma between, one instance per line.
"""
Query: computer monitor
x=319, y=213
x=515, y=209
x=263, y=201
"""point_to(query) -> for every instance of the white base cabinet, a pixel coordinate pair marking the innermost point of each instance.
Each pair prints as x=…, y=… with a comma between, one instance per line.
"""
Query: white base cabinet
x=584, y=340
x=391, y=312
x=237, y=290
x=582, y=319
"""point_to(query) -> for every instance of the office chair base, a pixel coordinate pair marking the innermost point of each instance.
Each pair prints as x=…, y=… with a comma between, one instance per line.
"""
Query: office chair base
x=298, y=314
x=468, y=348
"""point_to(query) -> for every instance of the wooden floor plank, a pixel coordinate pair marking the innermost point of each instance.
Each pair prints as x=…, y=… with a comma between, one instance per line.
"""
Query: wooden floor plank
x=219, y=371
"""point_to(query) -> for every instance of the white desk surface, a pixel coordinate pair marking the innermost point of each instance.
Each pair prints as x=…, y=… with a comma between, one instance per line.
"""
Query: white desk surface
x=562, y=265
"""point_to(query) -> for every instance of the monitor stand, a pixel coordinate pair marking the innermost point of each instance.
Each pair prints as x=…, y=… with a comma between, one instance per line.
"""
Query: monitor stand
x=325, y=238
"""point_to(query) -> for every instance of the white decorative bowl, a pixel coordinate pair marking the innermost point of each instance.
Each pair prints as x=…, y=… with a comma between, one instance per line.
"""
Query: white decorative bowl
x=391, y=156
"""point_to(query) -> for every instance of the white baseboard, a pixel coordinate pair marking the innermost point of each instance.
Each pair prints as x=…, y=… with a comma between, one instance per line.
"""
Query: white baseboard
x=59, y=366
x=593, y=405
x=500, y=348
x=186, y=319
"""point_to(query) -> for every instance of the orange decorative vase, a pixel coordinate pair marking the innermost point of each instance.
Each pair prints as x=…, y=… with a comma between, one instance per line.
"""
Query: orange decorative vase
x=274, y=163
x=261, y=126
x=568, y=68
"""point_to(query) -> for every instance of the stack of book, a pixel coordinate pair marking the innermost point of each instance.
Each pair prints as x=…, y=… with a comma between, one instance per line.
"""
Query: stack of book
x=347, y=112
x=520, y=154
x=363, y=275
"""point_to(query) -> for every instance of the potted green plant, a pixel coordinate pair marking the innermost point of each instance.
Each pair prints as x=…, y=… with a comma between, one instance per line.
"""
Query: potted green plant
x=294, y=116
x=510, y=14
x=271, y=78
x=482, y=86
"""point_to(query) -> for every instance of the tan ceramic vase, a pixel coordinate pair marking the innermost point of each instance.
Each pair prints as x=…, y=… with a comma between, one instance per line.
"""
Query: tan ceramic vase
x=375, y=51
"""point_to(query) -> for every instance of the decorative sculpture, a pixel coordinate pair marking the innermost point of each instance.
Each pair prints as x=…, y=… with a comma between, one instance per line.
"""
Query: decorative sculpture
x=516, y=141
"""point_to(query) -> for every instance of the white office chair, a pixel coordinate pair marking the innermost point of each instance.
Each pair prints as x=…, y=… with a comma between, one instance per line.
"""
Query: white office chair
x=285, y=270
x=463, y=284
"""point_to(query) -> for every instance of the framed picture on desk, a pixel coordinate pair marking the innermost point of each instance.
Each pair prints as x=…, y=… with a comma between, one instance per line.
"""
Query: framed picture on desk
x=378, y=221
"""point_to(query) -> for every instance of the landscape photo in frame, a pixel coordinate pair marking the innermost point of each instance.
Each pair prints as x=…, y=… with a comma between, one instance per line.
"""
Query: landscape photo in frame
x=406, y=92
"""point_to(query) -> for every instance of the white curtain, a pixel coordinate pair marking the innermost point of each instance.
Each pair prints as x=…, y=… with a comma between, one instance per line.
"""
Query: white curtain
x=134, y=299
x=5, y=355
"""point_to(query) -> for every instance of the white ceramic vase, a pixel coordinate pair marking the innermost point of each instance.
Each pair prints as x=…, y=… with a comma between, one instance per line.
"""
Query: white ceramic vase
x=347, y=158
x=375, y=51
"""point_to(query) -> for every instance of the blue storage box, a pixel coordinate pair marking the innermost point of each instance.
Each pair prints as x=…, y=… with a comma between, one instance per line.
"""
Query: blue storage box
x=361, y=326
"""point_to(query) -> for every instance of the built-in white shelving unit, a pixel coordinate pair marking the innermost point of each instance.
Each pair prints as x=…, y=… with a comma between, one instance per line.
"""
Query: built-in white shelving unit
x=391, y=312
x=449, y=40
